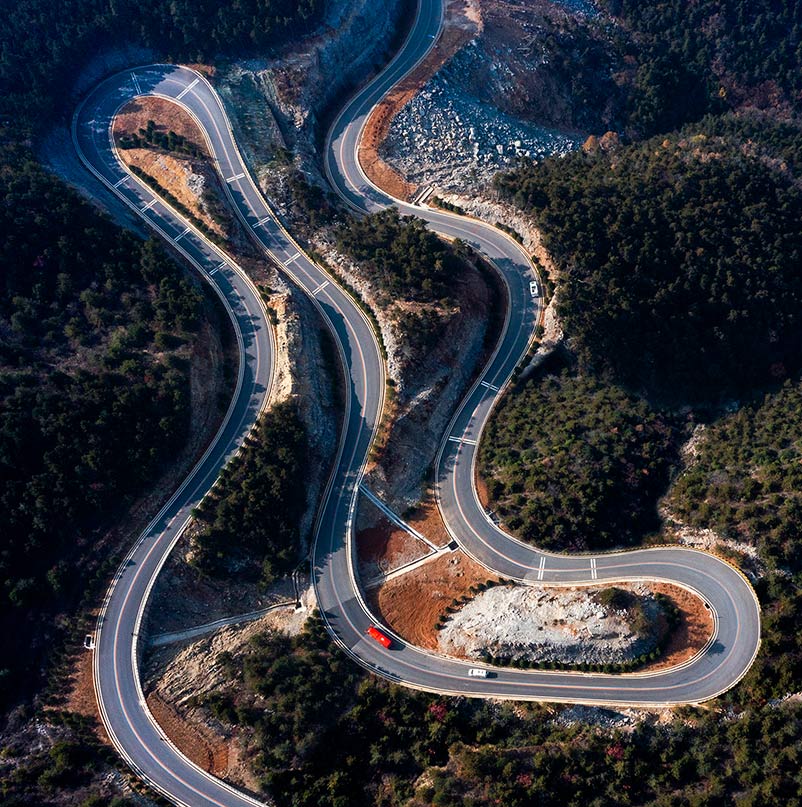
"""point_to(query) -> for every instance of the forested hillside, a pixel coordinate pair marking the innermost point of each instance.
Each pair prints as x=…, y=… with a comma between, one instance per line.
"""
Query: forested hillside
x=679, y=261
x=689, y=59
x=644, y=68
x=41, y=52
x=746, y=478
x=572, y=463
x=399, y=255
x=93, y=387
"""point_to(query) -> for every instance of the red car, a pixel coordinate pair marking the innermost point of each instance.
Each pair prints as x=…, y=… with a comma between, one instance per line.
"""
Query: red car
x=376, y=634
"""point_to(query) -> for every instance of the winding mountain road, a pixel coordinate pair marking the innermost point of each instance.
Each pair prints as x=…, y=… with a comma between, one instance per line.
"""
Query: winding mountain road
x=125, y=714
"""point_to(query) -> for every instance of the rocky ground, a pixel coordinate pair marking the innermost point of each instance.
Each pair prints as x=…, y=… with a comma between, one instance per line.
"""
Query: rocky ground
x=542, y=624
x=447, y=138
x=427, y=384
x=279, y=107
x=497, y=99
x=179, y=676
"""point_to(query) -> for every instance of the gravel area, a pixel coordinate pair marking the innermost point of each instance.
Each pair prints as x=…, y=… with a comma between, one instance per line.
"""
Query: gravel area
x=448, y=138
x=537, y=623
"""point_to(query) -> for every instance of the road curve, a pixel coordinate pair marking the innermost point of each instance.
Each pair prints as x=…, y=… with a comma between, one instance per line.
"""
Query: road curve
x=124, y=712
x=725, y=589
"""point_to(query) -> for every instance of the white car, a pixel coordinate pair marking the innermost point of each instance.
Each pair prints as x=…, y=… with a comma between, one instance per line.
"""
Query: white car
x=533, y=289
x=476, y=672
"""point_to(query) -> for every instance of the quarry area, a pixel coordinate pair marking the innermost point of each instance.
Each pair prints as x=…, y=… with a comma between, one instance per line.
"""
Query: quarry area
x=447, y=138
x=489, y=98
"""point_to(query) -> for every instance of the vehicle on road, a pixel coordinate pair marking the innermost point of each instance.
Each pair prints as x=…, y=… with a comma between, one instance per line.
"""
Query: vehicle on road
x=477, y=672
x=533, y=288
x=376, y=634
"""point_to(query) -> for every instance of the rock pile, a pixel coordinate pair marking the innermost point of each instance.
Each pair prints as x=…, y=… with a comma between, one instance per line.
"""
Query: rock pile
x=448, y=138
x=541, y=624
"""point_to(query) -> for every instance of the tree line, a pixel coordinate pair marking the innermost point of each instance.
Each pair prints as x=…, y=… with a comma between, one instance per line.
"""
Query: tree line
x=94, y=393
x=41, y=52
x=250, y=521
x=399, y=256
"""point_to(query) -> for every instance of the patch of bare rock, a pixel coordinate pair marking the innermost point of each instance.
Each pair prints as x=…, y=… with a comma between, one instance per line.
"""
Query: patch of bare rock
x=543, y=624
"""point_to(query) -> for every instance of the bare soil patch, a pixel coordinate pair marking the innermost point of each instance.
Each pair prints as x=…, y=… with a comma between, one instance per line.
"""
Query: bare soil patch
x=690, y=635
x=167, y=116
x=411, y=604
x=81, y=697
x=385, y=547
x=206, y=750
x=428, y=521
x=459, y=28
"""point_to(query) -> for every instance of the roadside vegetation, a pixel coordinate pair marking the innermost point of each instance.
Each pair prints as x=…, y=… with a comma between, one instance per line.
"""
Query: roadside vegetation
x=323, y=733
x=249, y=524
x=416, y=279
x=32, y=772
x=679, y=292
x=572, y=463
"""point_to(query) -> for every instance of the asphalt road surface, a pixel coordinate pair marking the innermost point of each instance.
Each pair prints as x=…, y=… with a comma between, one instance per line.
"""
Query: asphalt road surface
x=132, y=728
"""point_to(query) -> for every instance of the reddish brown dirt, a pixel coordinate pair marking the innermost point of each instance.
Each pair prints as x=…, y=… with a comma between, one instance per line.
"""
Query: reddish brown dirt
x=412, y=603
x=207, y=70
x=386, y=547
x=167, y=115
x=81, y=698
x=202, y=747
x=692, y=632
x=427, y=520
x=481, y=490
x=457, y=32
